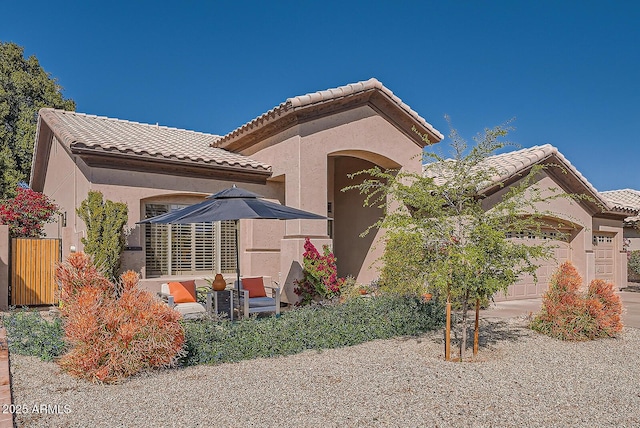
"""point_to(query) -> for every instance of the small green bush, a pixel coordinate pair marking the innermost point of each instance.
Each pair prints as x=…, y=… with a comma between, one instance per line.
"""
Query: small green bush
x=30, y=334
x=314, y=327
x=633, y=266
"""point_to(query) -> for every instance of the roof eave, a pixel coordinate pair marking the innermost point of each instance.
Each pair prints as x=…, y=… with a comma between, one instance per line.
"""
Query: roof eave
x=40, y=158
x=286, y=116
x=597, y=205
x=172, y=166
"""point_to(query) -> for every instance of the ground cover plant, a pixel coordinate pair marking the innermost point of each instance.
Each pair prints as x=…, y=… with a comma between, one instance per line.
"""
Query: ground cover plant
x=113, y=330
x=312, y=327
x=31, y=334
x=569, y=314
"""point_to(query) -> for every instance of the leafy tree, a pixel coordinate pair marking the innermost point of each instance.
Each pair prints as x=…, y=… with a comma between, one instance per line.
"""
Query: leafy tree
x=460, y=240
x=25, y=88
x=105, y=240
x=27, y=213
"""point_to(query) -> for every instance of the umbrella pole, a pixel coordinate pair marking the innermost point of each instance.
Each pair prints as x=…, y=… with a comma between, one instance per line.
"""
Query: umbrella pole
x=237, y=261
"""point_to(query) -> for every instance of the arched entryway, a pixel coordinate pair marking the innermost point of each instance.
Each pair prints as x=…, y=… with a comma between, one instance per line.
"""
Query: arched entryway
x=349, y=219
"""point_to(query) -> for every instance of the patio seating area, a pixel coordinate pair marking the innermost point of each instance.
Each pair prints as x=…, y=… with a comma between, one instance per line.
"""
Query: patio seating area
x=256, y=295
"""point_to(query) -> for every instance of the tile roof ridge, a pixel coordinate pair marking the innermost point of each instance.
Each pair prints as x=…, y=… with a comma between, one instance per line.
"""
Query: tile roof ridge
x=132, y=122
x=310, y=98
x=634, y=191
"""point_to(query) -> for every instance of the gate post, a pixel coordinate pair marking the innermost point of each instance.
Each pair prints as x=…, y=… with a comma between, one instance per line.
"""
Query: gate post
x=4, y=267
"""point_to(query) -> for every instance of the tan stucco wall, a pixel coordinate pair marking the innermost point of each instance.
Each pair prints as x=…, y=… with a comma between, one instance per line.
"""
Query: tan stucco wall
x=300, y=157
x=4, y=267
x=620, y=264
x=572, y=212
x=66, y=184
x=303, y=159
x=633, y=237
x=355, y=254
x=69, y=180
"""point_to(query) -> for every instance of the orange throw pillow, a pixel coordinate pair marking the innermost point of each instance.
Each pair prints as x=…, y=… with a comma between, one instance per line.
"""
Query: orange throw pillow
x=255, y=287
x=183, y=292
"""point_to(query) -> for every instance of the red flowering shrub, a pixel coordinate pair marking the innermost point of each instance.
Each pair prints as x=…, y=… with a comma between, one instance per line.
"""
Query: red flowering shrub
x=320, y=275
x=568, y=314
x=112, y=338
x=27, y=213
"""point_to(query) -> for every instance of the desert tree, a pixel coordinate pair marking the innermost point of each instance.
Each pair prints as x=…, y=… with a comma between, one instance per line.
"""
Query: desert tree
x=444, y=234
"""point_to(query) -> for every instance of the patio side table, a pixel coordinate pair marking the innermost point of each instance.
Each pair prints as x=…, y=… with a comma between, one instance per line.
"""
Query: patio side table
x=223, y=302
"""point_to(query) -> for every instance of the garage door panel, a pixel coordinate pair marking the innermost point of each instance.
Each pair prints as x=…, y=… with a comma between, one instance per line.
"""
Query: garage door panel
x=604, y=251
x=526, y=287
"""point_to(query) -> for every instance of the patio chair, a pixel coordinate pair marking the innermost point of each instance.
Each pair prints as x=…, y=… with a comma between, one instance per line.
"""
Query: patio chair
x=254, y=298
x=185, y=298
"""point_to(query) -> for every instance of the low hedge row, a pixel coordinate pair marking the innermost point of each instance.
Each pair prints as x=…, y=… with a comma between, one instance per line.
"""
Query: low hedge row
x=30, y=334
x=208, y=342
x=317, y=327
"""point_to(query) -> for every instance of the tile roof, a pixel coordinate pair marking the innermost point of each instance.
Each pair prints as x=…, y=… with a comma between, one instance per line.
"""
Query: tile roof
x=330, y=95
x=512, y=163
x=624, y=199
x=78, y=130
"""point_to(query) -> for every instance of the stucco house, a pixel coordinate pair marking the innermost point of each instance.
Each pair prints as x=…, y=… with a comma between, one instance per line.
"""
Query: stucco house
x=298, y=153
x=627, y=199
x=592, y=229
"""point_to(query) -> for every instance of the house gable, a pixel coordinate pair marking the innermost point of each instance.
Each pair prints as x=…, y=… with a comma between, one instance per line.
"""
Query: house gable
x=513, y=166
x=305, y=108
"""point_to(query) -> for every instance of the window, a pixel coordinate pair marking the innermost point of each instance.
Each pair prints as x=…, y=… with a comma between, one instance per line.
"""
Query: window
x=183, y=249
x=556, y=235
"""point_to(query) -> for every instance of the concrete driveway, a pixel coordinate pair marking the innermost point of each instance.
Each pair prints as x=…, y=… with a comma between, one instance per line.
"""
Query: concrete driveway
x=515, y=308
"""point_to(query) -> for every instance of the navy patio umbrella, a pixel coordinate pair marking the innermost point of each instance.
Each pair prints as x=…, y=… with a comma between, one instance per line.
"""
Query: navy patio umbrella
x=232, y=204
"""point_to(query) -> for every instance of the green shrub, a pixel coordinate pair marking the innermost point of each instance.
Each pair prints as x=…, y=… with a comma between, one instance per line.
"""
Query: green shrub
x=30, y=334
x=106, y=221
x=633, y=266
x=403, y=264
x=312, y=327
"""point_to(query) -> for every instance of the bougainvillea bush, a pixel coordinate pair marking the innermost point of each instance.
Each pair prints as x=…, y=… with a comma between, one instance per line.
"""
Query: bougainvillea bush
x=27, y=213
x=568, y=314
x=112, y=337
x=320, y=281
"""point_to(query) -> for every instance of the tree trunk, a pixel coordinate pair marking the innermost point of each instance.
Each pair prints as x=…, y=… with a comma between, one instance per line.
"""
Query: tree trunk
x=465, y=308
x=447, y=331
x=476, y=332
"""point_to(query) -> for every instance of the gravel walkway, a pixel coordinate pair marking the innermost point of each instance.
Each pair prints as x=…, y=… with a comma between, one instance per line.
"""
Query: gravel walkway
x=522, y=379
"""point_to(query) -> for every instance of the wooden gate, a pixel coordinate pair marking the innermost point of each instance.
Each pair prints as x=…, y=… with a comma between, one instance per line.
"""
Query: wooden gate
x=33, y=264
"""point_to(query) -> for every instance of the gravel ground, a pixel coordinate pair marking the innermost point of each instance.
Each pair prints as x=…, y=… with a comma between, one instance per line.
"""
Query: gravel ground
x=520, y=379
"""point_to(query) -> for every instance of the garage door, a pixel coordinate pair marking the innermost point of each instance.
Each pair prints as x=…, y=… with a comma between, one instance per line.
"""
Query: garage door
x=527, y=287
x=603, y=248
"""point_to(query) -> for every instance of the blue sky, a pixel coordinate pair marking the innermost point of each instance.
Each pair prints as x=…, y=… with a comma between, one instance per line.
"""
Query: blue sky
x=566, y=71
